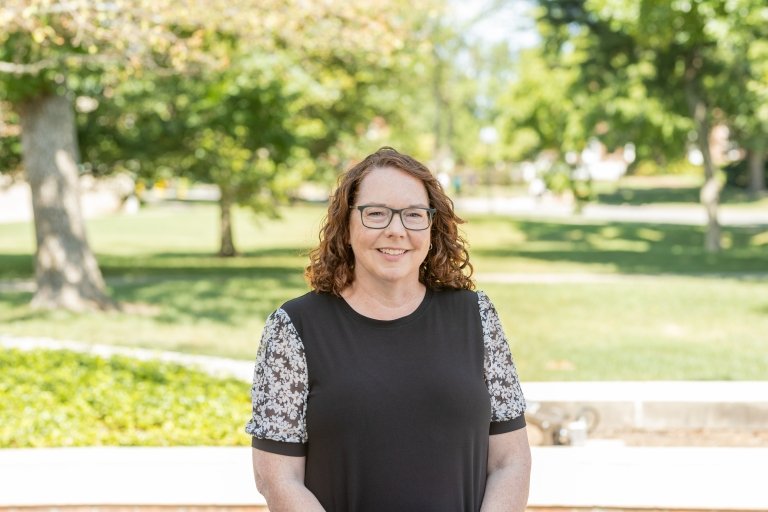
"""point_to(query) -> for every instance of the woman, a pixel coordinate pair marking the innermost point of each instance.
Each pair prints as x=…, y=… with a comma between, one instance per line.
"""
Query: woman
x=389, y=386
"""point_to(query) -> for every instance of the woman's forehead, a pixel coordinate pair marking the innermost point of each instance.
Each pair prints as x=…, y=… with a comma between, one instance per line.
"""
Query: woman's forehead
x=390, y=183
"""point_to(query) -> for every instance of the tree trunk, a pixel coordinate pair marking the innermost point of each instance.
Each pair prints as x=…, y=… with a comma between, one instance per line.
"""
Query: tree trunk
x=66, y=270
x=710, y=190
x=757, y=167
x=227, y=246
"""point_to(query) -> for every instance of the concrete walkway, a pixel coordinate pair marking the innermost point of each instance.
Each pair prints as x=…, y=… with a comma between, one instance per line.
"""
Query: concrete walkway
x=591, y=476
x=660, y=478
x=218, y=366
x=690, y=214
x=200, y=476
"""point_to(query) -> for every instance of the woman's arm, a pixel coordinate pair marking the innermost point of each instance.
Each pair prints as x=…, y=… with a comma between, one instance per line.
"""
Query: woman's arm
x=280, y=479
x=509, y=472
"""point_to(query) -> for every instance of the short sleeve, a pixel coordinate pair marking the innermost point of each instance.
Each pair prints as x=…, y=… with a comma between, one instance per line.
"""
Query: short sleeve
x=507, y=400
x=280, y=389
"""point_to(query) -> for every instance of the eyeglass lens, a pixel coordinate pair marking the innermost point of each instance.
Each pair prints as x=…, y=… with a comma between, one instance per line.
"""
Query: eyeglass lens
x=381, y=216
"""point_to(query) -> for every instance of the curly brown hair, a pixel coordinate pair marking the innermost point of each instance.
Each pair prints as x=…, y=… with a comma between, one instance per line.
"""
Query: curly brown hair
x=332, y=262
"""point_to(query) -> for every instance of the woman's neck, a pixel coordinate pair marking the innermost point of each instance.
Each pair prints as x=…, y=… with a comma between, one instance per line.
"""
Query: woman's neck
x=384, y=302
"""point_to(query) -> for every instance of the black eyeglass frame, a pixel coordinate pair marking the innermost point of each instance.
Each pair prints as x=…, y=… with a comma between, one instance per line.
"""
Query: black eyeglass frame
x=430, y=211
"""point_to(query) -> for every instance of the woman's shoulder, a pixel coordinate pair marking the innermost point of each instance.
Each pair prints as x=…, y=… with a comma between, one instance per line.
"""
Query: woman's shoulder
x=458, y=296
x=475, y=299
x=462, y=293
x=310, y=303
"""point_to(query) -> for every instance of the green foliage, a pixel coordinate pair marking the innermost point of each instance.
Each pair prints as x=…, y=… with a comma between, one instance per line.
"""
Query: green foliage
x=558, y=178
x=10, y=140
x=261, y=119
x=737, y=174
x=288, y=77
x=60, y=398
x=679, y=166
x=537, y=111
x=642, y=66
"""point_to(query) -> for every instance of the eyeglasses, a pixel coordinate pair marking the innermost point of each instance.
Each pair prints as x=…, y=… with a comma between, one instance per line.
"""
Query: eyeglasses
x=379, y=217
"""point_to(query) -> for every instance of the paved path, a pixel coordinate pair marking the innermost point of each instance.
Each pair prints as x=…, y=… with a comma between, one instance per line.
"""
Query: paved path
x=655, y=478
x=127, y=476
x=218, y=366
x=591, y=476
x=653, y=213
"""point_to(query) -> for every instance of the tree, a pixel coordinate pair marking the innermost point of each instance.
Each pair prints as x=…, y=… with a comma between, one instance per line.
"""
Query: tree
x=45, y=49
x=51, y=50
x=536, y=112
x=225, y=126
x=746, y=90
x=668, y=52
x=259, y=125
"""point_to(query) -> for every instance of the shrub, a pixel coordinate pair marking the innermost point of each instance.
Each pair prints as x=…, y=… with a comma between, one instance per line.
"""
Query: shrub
x=737, y=174
x=54, y=398
x=678, y=167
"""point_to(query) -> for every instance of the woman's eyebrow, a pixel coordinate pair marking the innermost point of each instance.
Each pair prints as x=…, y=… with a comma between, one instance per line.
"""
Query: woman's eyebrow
x=415, y=205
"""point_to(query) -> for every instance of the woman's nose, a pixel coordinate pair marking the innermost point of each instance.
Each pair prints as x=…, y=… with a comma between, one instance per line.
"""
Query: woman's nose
x=396, y=225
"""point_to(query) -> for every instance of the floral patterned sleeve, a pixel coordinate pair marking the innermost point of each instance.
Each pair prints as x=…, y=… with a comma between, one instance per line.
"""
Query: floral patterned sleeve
x=280, y=388
x=507, y=401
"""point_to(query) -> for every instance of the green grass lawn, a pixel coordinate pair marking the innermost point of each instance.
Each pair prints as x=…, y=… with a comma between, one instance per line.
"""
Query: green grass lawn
x=667, y=317
x=512, y=245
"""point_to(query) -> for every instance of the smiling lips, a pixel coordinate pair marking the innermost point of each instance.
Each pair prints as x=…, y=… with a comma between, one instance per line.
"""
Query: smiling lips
x=392, y=252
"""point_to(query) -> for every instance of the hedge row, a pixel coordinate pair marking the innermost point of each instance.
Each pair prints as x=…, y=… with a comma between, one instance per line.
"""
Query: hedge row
x=53, y=398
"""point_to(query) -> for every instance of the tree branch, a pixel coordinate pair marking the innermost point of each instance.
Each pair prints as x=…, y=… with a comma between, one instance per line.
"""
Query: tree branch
x=70, y=59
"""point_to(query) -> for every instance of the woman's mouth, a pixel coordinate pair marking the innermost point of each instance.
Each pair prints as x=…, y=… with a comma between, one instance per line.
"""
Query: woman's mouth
x=392, y=252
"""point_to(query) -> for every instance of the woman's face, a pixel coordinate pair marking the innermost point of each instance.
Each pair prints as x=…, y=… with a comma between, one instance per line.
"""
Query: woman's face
x=393, y=254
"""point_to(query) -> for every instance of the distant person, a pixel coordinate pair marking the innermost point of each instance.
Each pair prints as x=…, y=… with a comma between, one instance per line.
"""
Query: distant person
x=457, y=184
x=390, y=386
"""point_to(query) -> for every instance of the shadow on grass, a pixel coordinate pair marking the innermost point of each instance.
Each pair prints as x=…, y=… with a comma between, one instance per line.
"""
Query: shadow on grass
x=14, y=299
x=174, y=264
x=214, y=299
x=642, y=196
x=194, y=287
x=176, y=288
x=16, y=266
x=633, y=247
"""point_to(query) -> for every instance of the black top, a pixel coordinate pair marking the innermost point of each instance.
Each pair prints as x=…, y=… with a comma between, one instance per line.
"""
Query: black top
x=391, y=415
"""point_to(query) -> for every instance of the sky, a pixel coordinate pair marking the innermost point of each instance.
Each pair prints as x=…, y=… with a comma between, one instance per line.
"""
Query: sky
x=512, y=22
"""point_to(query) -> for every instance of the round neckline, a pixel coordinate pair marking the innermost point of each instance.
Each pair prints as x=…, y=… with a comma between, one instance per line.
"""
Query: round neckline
x=416, y=313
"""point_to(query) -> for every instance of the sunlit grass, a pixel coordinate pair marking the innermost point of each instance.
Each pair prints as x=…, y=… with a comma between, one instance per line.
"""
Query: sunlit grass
x=660, y=315
x=649, y=328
